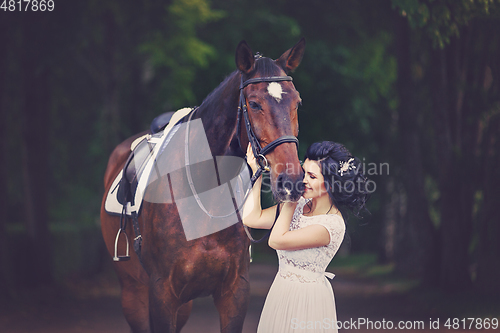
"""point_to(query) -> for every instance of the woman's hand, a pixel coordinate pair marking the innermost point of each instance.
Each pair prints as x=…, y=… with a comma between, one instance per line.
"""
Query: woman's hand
x=290, y=206
x=251, y=160
x=282, y=238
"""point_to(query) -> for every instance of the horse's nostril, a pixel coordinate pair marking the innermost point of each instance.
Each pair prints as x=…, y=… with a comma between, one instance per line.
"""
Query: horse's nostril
x=300, y=186
x=289, y=189
x=288, y=185
x=284, y=183
x=280, y=181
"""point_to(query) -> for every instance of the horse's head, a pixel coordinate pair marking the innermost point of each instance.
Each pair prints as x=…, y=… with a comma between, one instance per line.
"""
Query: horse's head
x=272, y=103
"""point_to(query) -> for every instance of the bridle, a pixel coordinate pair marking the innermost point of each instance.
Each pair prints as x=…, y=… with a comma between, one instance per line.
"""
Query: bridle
x=258, y=151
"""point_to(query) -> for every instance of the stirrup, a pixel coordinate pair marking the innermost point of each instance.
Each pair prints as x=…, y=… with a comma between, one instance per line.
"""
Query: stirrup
x=126, y=256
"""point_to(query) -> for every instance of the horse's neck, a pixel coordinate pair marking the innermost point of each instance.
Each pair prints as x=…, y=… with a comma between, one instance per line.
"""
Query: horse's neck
x=219, y=116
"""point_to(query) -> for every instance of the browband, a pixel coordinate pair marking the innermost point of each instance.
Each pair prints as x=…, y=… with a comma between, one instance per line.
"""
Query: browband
x=265, y=79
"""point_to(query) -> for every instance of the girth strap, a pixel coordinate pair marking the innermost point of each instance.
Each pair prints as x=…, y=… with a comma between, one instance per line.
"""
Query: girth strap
x=138, y=236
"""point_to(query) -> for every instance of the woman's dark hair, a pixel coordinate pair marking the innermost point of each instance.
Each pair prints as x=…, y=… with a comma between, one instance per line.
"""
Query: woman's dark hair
x=344, y=179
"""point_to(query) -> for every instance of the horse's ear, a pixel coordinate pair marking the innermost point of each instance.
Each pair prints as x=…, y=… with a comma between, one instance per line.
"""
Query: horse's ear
x=244, y=57
x=291, y=59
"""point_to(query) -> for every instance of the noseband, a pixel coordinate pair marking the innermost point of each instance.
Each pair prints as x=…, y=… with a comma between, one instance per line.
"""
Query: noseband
x=258, y=151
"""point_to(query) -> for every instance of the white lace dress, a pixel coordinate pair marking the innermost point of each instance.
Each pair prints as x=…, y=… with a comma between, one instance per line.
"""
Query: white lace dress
x=301, y=297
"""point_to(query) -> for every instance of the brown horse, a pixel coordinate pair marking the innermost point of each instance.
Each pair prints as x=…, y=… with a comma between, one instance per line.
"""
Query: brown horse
x=157, y=294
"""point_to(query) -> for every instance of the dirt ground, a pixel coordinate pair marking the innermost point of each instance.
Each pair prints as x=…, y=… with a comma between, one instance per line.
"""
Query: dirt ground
x=97, y=311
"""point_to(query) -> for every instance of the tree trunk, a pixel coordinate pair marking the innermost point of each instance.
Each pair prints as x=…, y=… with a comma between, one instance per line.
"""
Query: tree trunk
x=416, y=234
x=488, y=252
x=111, y=111
x=393, y=204
x=35, y=147
x=488, y=270
x=456, y=187
x=5, y=286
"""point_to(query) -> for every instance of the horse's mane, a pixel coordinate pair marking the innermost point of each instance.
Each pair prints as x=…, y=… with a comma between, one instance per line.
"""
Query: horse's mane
x=265, y=67
x=213, y=98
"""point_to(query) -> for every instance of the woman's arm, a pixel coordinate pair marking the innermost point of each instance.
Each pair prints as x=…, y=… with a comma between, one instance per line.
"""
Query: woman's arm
x=282, y=238
x=253, y=214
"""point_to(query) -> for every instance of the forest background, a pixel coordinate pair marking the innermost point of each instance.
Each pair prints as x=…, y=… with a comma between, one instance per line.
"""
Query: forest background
x=411, y=87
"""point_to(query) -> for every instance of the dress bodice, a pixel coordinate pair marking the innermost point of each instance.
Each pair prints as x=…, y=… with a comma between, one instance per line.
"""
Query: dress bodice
x=313, y=259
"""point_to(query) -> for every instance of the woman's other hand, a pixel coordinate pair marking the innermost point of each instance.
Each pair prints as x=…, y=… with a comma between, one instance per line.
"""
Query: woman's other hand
x=251, y=160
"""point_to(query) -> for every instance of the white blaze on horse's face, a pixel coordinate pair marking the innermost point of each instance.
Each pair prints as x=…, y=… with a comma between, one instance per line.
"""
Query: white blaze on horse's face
x=275, y=90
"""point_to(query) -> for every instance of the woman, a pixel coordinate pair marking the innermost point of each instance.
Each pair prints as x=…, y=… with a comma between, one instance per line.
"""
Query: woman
x=306, y=236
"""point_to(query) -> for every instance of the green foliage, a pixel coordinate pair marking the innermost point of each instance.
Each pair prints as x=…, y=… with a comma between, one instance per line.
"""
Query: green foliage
x=176, y=51
x=442, y=19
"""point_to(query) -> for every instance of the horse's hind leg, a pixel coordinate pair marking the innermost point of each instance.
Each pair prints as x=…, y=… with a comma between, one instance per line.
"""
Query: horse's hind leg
x=232, y=305
x=135, y=305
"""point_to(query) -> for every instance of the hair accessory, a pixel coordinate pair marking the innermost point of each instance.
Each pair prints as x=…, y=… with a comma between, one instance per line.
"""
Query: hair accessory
x=345, y=166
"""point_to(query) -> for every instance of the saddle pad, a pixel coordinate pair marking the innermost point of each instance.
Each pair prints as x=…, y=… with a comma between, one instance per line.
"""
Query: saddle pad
x=111, y=205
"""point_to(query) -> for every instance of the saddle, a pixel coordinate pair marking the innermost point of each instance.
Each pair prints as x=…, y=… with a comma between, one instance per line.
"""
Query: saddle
x=141, y=150
x=126, y=193
x=160, y=122
x=123, y=196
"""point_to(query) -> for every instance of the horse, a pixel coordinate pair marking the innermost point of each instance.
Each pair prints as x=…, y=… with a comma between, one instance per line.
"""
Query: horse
x=158, y=287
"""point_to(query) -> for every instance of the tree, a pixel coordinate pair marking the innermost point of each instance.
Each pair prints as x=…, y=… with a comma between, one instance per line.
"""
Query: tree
x=459, y=78
x=416, y=237
x=5, y=284
x=36, y=99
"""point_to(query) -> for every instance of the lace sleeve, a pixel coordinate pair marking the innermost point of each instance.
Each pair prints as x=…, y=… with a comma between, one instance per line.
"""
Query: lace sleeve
x=335, y=226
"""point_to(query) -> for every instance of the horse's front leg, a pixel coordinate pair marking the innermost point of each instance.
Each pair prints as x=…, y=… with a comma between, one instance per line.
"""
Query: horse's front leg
x=232, y=304
x=167, y=314
x=183, y=315
x=163, y=307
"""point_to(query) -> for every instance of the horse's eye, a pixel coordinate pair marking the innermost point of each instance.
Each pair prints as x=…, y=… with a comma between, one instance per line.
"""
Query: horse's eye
x=255, y=106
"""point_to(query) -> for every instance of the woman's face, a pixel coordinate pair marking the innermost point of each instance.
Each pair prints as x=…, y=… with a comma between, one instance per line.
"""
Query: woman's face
x=313, y=180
